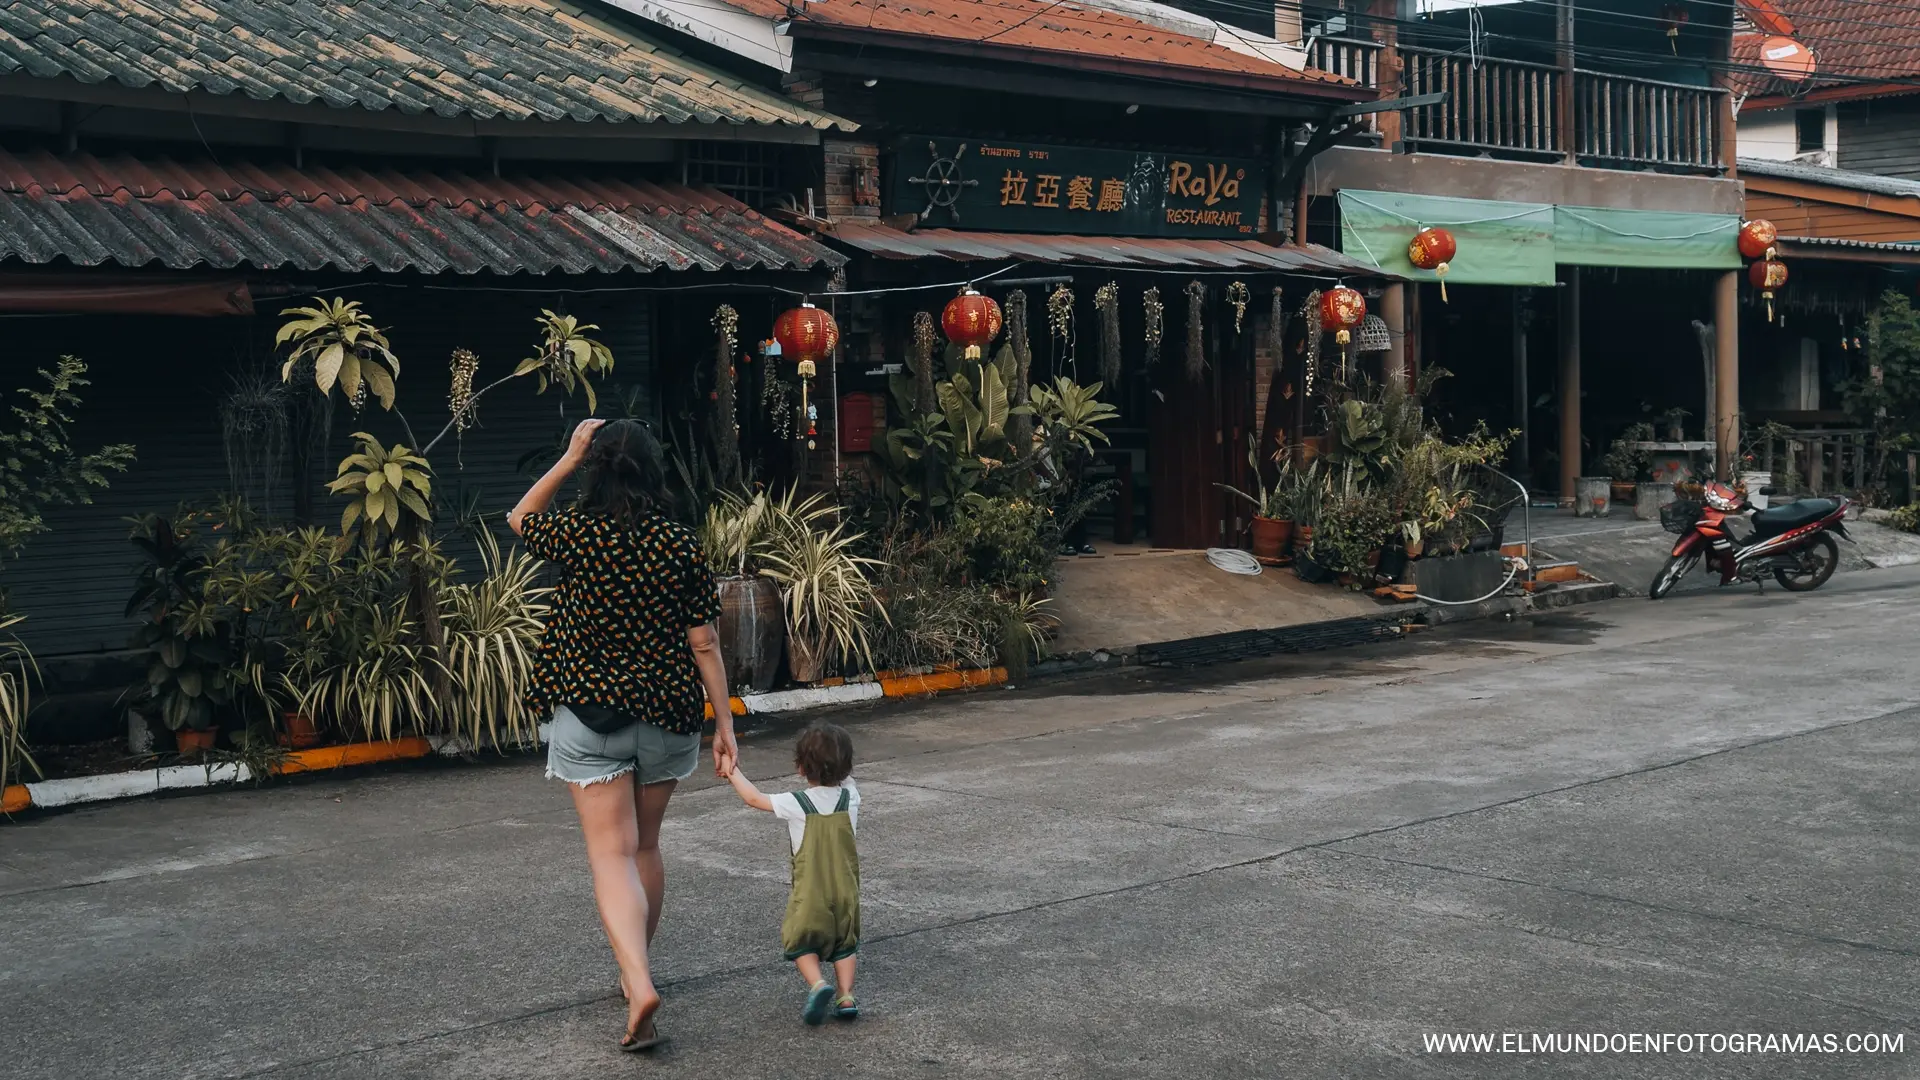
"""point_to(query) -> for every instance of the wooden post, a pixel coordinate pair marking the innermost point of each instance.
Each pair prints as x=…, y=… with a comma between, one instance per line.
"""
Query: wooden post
x=1726, y=363
x=1570, y=387
x=1816, y=466
x=1913, y=478
x=1563, y=106
x=1521, y=397
x=1393, y=311
x=1388, y=74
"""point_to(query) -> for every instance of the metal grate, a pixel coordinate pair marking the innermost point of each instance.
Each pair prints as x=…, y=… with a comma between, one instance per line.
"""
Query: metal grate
x=747, y=171
x=1253, y=644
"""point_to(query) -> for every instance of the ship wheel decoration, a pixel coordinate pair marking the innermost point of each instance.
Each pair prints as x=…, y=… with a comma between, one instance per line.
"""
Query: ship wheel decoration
x=943, y=182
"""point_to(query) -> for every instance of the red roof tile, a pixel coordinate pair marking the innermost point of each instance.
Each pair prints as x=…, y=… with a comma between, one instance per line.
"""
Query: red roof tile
x=1853, y=44
x=1060, y=27
x=136, y=212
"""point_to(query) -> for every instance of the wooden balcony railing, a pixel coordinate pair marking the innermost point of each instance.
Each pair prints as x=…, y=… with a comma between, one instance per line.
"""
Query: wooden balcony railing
x=1356, y=59
x=1513, y=107
x=1645, y=122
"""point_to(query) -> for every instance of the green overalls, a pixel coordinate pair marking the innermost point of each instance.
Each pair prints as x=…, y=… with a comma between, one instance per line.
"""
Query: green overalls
x=823, y=914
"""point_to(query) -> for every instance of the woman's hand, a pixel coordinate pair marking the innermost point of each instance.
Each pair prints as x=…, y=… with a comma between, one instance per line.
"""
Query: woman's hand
x=726, y=754
x=582, y=440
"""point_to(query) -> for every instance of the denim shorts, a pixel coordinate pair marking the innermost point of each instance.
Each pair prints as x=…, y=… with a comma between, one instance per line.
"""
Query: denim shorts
x=580, y=755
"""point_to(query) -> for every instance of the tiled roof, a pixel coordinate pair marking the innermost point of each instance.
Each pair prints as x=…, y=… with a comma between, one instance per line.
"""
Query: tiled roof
x=132, y=212
x=512, y=59
x=1853, y=43
x=1840, y=178
x=1059, y=28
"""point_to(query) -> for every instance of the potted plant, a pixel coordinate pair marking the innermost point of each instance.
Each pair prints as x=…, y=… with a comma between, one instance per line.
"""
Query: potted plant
x=1353, y=523
x=1625, y=463
x=826, y=593
x=751, y=628
x=1272, y=506
x=1304, y=494
x=1675, y=420
x=191, y=673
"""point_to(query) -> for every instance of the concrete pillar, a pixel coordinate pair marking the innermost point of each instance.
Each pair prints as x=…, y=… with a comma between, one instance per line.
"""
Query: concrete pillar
x=1570, y=386
x=1286, y=22
x=1726, y=372
x=1393, y=309
x=1522, y=400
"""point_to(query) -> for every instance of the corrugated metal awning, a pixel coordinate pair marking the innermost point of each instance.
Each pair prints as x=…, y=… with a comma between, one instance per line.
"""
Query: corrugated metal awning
x=1128, y=252
x=130, y=212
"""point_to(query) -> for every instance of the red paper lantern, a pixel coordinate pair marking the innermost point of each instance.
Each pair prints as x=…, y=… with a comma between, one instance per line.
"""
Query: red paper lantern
x=1342, y=309
x=971, y=321
x=807, y=335
x=1757, y=238
x=1433, y=249
x=1767, y=275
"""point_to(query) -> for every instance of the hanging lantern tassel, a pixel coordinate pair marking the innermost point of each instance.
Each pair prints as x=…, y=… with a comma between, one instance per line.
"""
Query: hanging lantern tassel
x=1433, y=249
x=1767, y=275
x=1342, y=309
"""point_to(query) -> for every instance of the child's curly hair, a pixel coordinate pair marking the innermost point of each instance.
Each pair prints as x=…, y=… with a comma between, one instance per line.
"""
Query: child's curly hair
x=824, y=754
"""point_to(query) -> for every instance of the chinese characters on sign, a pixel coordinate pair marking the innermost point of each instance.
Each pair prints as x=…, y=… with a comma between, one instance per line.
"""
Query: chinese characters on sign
x=1034, y=188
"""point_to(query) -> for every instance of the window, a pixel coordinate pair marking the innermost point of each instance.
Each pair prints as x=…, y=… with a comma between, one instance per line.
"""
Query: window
x=747, y=171
x=1810, y=129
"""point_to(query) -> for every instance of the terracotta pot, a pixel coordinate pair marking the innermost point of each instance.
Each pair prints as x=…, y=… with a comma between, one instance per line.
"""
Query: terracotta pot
x=1416, y=548
x=1373, y=559
x=803, y=660
x=1623, y=491
x=1270, y=537
x=1302, y=537
x=752, y=627
x=195, y=741
x=300, y=731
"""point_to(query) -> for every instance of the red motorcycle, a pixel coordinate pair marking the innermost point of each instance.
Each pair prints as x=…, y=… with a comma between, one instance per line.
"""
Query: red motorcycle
x=1794, y=542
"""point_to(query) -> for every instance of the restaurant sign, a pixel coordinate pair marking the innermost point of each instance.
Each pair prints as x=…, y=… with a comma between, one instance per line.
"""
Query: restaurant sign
x=1001, y=186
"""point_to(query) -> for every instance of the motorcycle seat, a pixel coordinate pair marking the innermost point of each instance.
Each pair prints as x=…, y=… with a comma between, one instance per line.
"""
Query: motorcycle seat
x=1786, y=518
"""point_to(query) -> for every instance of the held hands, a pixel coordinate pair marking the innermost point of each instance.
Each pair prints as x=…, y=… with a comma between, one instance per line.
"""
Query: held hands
x=582, y=439
x=726, y=754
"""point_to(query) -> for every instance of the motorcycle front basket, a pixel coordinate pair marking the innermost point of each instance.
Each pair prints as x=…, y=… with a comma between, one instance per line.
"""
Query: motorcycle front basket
x=1679, y=515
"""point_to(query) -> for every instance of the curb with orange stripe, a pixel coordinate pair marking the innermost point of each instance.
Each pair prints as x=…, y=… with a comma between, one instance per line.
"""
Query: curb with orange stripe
x=72, y=791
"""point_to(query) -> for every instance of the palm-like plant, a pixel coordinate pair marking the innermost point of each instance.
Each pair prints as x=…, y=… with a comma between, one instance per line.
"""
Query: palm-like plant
x=383, y=483
x=1071, y=411
x=493, y=638
x=567, y=356
x=380, y=687
x=17, y=670
x=344, y=346
x=827, y=595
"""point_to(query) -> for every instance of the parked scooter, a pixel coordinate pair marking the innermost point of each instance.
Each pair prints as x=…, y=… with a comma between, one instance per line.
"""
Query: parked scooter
x=1794, y=542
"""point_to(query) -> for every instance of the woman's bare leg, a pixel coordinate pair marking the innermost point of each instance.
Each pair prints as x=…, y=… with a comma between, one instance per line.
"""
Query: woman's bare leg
x=650, y=805
x=608, y=822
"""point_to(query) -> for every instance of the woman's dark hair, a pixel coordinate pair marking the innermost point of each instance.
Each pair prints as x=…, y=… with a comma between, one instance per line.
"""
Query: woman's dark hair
x=624, y=475
x=824, y=754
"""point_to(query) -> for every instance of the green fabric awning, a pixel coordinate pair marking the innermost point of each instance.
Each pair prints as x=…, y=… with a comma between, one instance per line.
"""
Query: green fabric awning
x=1513, y=243
x=1592, y=236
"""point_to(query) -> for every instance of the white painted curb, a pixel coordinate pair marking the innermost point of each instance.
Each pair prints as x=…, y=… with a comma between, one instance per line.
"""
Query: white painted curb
x=812, y=697
x=126, y=785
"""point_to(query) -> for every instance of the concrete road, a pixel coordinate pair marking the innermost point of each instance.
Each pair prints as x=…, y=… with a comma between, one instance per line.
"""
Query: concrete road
x=1694, y=817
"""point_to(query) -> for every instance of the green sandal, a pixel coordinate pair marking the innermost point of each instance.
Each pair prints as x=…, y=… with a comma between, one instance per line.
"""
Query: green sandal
x=819, y=1000
x=846, y=1007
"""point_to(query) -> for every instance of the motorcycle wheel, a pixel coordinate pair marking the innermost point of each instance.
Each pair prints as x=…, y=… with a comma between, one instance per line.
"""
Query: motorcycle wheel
x=1818, y=560
x=1677, y=567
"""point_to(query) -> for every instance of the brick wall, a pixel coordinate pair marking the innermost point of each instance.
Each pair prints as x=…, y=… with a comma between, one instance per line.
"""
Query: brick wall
x=844, y=158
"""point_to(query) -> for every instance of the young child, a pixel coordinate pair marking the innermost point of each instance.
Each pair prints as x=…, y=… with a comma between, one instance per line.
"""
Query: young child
x=823, y=912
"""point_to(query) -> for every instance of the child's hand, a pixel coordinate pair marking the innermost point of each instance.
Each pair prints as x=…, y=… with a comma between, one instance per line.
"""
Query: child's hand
x=726, y=754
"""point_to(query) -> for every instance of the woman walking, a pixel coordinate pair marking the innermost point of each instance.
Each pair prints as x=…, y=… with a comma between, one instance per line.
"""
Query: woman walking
x=628, y=660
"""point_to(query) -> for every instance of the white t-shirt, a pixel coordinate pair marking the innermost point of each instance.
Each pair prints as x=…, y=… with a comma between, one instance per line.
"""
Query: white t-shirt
x=824, y=799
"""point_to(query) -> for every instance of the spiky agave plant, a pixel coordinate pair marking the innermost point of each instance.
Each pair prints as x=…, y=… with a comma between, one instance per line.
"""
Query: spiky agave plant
x=381, y=688
x=17, y=672
x=493, y=640
x=826, y=590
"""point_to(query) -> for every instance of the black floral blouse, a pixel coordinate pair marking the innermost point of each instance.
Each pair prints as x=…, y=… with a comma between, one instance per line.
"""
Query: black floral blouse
x=618, y=633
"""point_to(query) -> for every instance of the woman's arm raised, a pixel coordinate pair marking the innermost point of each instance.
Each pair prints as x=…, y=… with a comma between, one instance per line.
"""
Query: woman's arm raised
x=540, y=495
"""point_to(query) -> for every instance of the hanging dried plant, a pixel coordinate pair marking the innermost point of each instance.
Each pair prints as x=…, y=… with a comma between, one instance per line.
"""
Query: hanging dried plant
x=1060, y=313
x=726, y=429
x=1196, y=318
x=1019, y=426
x=1106, y=301
x=460, y=388
x=1277, y=327
x=1238, y=296
x=924, y=340
x=776, y=399
x=1156, y=320
x=1311, y=367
